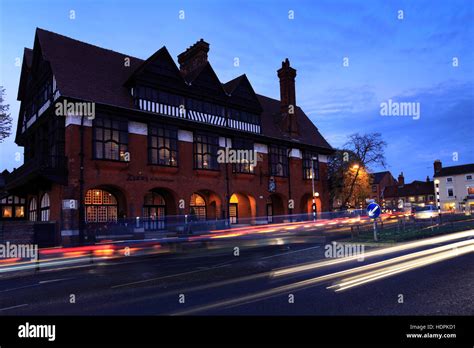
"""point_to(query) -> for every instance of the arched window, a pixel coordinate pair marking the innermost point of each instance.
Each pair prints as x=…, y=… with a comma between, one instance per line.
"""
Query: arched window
x=153, y=198
x=101, y=206
x=197, y=207
x=33, y=210
x=44, y=207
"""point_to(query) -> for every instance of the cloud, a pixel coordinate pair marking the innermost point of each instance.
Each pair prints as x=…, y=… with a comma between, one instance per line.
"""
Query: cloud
x=445, y=125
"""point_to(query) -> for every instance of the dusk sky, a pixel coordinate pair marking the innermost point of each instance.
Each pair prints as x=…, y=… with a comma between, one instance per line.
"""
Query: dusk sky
x=405, y=60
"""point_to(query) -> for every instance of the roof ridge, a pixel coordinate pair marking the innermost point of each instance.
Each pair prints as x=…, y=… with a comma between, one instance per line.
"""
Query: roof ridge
x=86, y=43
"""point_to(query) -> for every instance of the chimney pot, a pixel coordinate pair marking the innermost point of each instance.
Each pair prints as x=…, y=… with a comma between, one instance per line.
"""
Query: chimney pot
x=194, y=57
x=437, y=165
x=401, y=179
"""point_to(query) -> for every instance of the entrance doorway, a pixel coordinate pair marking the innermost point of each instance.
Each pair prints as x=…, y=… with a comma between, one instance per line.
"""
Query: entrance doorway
x=154, y=212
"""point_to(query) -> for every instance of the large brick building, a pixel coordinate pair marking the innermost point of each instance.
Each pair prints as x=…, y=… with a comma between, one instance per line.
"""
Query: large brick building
x=149, y=149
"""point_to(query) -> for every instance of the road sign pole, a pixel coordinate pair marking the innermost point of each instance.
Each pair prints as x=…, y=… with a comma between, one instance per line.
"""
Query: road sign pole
x=375, y=230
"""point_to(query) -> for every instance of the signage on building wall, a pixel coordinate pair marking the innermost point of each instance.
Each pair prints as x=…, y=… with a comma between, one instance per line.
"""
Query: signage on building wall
x=271, y=184
x=131, y=177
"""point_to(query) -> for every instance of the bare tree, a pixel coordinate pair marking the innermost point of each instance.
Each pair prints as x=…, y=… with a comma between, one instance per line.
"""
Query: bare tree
x=5, y=118
x=349, y=168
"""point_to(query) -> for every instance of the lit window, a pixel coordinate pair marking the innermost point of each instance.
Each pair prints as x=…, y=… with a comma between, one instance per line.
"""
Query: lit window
x=101, y=206
x=244, y=166
x=205, y=151
x=278, y=160
x=12, y=207
x=7, y=212
x=197, y=207
x=163, y=145
x=110, y=138
x=310, y=159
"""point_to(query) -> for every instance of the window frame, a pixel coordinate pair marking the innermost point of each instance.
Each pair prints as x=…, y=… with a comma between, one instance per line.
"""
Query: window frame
x=307, y=159
x=209, y=141
x=96, y=207
x=169, y=137
x=116, y=127
x=34, y=211
x=244, y=144
x=278, y=155
x=16, y=202
x=45, y=210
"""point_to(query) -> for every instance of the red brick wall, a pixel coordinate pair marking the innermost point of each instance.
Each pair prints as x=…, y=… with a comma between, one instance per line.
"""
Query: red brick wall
x=181, y=182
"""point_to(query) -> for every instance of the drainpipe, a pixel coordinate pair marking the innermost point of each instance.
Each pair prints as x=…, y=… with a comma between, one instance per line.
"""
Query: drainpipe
x=81, y=184
x=227, y=187
x=289, y=184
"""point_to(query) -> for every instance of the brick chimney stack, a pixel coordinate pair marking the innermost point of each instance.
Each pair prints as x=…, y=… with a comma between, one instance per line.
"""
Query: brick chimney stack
x=287, y=75
x=437, y=165
x=401, y=179
x=194, y=57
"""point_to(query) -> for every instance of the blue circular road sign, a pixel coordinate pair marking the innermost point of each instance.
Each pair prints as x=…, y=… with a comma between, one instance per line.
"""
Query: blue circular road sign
x=373, y=210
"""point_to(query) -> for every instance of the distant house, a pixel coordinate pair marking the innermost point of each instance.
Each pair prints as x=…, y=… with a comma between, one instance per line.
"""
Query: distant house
x=454, y=187
x=379, y=181
x=417, y=193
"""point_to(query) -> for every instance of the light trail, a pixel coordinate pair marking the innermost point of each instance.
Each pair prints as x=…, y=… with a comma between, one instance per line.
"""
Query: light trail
x=378, y=252
x=421, y=259
x=406, y=266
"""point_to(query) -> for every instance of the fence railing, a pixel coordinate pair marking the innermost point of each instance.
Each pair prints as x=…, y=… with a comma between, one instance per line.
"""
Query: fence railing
x=190, y=225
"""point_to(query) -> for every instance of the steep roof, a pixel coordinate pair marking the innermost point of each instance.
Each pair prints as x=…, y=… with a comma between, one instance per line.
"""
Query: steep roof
x=231, y=85
x=413, y=189
x=456, y=170
x=28, y=54
x=378, y=177
x=87, y=72
x=92, y=73
x=309, y=133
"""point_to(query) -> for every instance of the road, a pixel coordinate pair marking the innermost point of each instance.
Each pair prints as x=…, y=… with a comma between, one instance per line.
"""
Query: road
x=433, y=277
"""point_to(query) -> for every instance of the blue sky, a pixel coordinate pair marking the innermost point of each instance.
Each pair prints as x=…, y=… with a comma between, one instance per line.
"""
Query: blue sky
x=408, y=60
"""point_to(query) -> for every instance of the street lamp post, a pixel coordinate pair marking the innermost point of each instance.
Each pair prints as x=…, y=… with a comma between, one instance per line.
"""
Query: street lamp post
x=312, y=183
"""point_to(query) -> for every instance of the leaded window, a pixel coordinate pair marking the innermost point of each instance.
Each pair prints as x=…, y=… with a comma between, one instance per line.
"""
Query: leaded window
x=278, y=160
x=163, y=145
x=110, y=138
x=206, y=146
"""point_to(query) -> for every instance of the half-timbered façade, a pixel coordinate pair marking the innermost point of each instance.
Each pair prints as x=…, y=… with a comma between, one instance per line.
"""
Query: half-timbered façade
x=146, y=145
